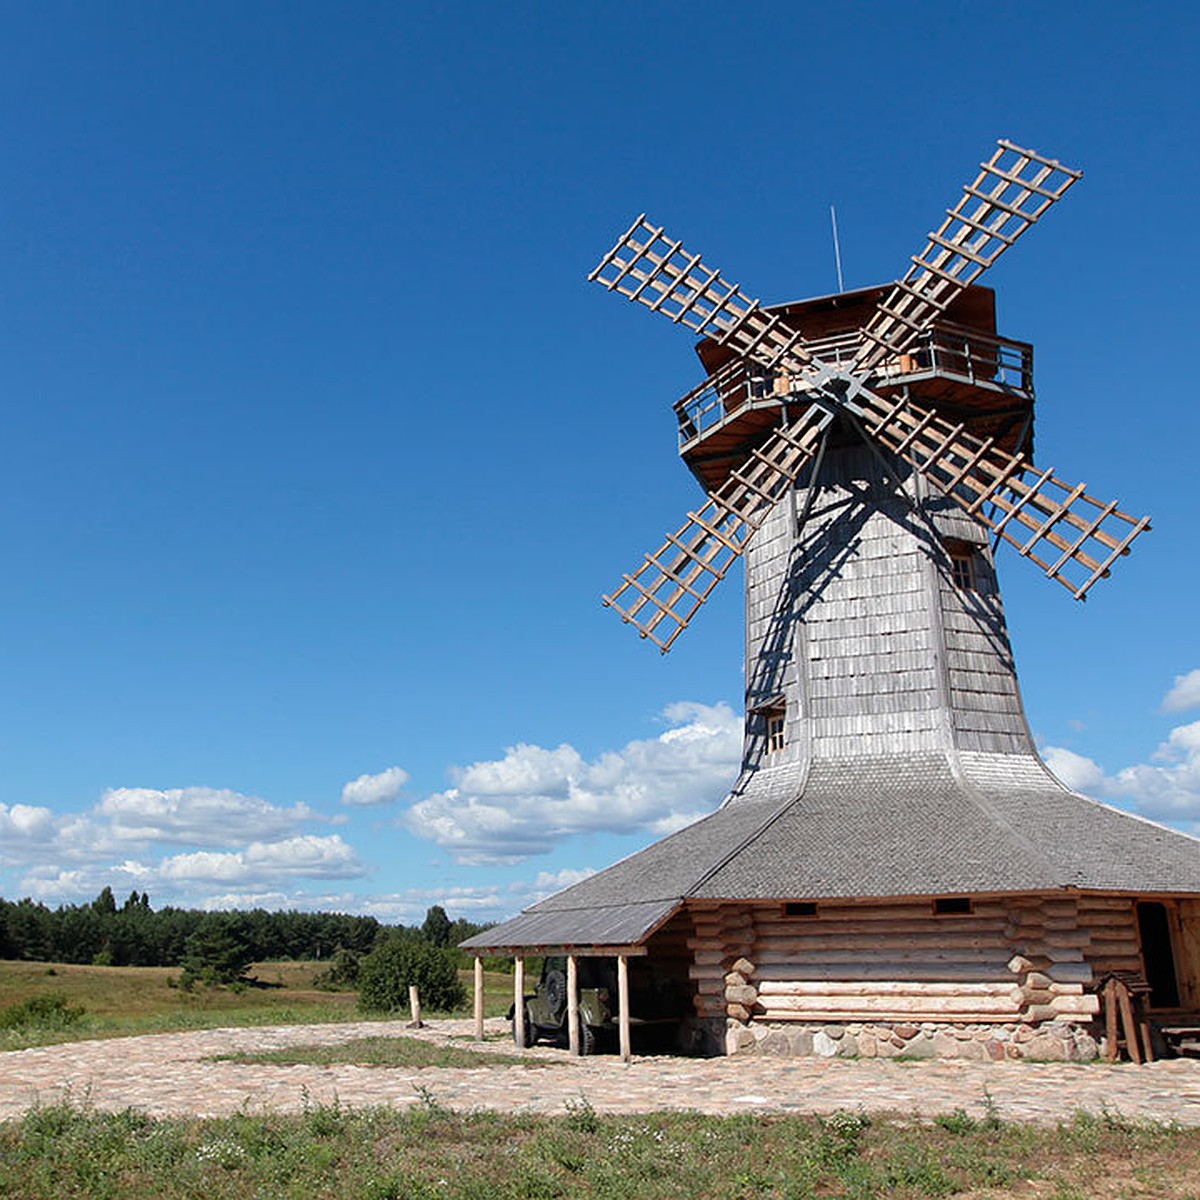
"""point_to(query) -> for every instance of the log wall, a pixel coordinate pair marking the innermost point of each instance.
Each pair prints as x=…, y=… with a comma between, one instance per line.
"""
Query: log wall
x=1019, y=962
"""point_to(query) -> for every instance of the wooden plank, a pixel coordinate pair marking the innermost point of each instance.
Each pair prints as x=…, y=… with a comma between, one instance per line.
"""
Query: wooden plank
x=478, y=998
x=573, y=1005
x=623, y=1001
x=519, y=1002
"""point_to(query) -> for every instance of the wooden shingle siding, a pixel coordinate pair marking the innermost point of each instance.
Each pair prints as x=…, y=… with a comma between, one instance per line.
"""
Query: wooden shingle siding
x=858, y=619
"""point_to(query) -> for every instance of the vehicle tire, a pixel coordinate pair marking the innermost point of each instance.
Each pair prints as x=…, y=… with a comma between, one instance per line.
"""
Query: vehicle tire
x=554, y=989
x=587, y=1038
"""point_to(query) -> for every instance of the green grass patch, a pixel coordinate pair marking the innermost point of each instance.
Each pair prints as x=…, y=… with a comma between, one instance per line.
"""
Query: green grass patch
x=384, y=1052
x=118, y=1001
x=65, y=1151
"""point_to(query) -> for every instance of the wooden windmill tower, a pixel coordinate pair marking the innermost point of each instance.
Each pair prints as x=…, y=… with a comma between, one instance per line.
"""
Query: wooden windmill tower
x=879, y=439
x=894, y=858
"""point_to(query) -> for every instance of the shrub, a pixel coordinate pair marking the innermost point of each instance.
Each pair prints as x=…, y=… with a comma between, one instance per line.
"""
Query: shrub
x=386, y=974
x=341, y=974
x=47, y=1011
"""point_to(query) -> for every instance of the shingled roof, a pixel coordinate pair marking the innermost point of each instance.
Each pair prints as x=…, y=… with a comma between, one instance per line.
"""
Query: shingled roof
x=916, y=825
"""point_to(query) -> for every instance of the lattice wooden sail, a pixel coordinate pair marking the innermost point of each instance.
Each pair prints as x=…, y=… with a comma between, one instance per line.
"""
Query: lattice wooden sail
x=647, y=266
x=1073, y=536
x=665, y=592
x=1012, y=191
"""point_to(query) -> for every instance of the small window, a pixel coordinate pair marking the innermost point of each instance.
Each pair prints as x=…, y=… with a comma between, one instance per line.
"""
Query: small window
x=944, y=906
x=962, y=566
x=775, y=726
x=800, y=908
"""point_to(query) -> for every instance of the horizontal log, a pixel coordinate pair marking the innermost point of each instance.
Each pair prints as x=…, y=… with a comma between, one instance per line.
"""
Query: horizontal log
x=867, y=942
x=884, y=954
x=928, y=924
x=1061, y=972
x=885, y=987
x=927, y=971
x=898, y=1016
x=946, y=1007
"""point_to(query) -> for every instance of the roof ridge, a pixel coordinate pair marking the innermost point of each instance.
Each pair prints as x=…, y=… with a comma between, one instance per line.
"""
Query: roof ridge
x=750, y=838
x=973, y=792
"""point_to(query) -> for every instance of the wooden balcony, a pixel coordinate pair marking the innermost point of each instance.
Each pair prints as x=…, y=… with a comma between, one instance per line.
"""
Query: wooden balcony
x=952, y=356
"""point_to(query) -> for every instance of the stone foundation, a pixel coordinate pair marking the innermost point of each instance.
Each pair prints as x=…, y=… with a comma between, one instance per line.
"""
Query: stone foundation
x=1057, y=1041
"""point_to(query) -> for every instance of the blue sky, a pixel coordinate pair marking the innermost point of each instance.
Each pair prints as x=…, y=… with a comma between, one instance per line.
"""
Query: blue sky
x=318, y=449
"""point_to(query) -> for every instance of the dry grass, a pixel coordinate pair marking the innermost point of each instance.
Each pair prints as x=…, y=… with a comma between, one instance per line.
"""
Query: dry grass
x=126, y=1000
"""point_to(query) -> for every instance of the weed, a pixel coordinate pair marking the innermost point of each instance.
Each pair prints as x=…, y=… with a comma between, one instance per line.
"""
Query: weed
x=958, y=1122
x=581, y=1116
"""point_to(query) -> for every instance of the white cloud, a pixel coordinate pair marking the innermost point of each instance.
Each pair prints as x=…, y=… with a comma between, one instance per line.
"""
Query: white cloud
x=1167, y=788
x=507, y=809
x=194, y=816
x=308, y=856
x=1078, y=773
x=258, y=869
x=1184, y=694
x=24, y=829
x=375, y=789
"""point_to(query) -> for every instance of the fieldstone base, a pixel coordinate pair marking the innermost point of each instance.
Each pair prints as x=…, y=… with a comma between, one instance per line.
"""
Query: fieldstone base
x=1048, y=1041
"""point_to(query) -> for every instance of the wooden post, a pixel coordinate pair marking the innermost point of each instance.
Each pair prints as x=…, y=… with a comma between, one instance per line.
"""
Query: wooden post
x=414, y=1006
x=1128, y=1025
x=519, y=1003
x=1113, y=1050
x=623, y=1001
x=479, y=998
x=573, y=1004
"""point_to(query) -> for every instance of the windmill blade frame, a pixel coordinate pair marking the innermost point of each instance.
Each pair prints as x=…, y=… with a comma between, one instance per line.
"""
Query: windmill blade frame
x=1074, y=537
x=647, y=266
x=1012, y=191
x=663, y=595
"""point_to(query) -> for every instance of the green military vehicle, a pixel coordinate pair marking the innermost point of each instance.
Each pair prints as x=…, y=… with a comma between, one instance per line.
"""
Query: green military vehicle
x=656, y=1008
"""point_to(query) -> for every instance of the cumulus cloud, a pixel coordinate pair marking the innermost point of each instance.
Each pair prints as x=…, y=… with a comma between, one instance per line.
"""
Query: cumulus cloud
x=309, y=857
x=1184, y=694
x=1166, y=788
x=507, y=809
x=195, y=816
x=258, y=869
x=375, y=789
x=24, y=829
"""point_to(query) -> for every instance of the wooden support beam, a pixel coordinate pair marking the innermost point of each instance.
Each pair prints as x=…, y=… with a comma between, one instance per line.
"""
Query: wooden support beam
x=519, y=1002
x=623, y=1001
x=573, y=1004
x=478, y=998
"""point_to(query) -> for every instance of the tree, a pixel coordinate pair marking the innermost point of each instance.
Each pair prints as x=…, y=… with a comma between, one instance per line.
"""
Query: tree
x=386, y=974
x=436, y=929
x=217, y=952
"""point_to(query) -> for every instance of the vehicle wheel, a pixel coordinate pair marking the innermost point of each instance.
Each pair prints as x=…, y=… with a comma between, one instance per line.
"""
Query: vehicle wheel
x=587, y=1038
x=554, y=989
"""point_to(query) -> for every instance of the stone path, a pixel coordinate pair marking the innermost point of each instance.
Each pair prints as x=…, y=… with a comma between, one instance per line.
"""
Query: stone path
x=167, y=1075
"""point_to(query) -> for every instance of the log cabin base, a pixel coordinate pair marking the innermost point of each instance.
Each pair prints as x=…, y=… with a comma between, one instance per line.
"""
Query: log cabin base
x=1056, y=1041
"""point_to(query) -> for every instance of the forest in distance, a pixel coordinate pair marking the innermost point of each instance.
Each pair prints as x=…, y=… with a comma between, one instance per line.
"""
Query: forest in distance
x=105, y=932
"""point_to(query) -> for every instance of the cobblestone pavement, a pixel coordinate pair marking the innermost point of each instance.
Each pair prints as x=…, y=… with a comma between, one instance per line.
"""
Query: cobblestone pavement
x=168, y=1074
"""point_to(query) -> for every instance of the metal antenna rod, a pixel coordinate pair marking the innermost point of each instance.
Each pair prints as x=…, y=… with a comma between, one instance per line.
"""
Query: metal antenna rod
x=837, y=249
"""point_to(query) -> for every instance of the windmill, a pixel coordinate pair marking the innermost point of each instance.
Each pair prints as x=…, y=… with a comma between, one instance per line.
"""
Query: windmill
x=895, y=869
x=776, y=396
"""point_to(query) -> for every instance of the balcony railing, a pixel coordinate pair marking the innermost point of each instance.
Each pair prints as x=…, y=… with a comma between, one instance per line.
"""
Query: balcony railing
x=946, y=351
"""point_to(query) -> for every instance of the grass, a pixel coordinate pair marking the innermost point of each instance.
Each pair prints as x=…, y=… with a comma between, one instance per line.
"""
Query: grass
x=66, y=1151
x=117, y=1001
x=383, y=1052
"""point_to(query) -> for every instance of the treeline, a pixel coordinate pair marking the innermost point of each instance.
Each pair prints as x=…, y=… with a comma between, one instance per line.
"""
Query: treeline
x=133, y=933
